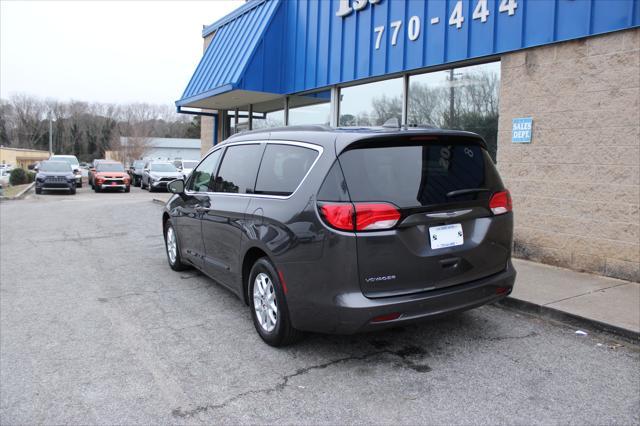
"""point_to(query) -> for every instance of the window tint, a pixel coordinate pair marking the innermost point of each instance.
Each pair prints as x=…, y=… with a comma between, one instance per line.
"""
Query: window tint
x=418, y=175
x=200, y=180
x=238, y=170
x=334, y=188
x=162, y=167
x=282, y=169
x=110, y=167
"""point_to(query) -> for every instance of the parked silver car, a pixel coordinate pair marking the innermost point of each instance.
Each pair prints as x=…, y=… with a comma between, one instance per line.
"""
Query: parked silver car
x=157, y=174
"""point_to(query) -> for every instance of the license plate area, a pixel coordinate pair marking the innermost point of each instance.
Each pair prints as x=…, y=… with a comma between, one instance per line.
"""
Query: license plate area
x=446, y=236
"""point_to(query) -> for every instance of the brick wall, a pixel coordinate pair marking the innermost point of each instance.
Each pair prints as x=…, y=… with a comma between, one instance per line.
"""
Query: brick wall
x=206, y=123
x=576, y=187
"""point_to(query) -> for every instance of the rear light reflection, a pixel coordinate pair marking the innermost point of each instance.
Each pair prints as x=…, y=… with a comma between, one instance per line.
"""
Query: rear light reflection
x=500, y=203
x=360, y=216
x=387, y=317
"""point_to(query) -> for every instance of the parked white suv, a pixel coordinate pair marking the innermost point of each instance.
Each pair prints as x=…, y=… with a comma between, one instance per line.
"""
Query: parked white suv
x=72, y=160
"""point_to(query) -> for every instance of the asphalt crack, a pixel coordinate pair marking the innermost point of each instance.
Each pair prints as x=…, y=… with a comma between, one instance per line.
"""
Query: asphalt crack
x=405, y=353
x=142, y=293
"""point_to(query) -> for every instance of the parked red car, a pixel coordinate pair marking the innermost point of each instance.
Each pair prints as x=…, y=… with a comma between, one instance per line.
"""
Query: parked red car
x=111, y=175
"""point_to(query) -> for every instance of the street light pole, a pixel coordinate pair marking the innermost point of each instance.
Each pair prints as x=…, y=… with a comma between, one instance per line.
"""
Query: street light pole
x=50, y=137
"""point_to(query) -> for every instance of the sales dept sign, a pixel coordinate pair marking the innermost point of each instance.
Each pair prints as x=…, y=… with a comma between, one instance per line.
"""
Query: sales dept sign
x=521, y=130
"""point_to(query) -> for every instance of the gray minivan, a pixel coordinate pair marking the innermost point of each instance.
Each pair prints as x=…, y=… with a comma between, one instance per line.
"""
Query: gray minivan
x=345, y=230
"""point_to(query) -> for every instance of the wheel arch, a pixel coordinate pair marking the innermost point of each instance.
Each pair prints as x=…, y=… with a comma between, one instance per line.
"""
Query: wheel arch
x=250, y=257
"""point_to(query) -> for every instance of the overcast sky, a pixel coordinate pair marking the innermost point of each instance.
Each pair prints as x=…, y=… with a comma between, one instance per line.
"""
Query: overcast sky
x=103, y=51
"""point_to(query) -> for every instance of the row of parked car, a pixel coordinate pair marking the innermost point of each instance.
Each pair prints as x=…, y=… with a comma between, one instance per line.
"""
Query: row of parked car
x=63, y=173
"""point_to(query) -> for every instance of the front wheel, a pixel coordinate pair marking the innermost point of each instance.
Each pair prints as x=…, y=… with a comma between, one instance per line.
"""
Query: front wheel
x=172, y=247
x=268, y=305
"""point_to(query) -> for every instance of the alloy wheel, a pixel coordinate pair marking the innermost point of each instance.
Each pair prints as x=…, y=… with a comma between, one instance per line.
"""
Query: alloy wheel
x=172, y=246
x=264, y=302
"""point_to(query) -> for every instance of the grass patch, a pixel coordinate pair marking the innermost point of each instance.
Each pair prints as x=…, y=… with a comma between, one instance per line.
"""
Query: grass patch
x=12, y=191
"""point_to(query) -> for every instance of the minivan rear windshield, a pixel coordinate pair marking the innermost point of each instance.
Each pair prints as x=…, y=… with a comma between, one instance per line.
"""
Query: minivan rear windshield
x=416, y=175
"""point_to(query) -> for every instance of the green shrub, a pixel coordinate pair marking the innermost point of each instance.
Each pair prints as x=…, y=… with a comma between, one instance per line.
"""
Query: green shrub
x=31, y=176
x=18, y=177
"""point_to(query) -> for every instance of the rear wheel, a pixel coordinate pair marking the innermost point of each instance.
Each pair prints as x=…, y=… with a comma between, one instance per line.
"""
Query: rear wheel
x=269, y=307
x=172, y=247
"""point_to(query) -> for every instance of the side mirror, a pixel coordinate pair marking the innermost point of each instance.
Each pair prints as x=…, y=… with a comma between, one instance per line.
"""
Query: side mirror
x=36, y=168
x=145, y=170
x=176, y=186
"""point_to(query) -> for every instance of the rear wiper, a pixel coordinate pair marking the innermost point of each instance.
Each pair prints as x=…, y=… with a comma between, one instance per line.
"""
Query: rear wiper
x=458, y=192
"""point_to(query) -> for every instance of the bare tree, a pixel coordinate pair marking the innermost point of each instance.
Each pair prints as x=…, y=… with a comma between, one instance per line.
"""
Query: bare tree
x=30, y=115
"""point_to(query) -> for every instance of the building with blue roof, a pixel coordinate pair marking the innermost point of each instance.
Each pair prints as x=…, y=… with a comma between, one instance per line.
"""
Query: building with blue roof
x=552, y=85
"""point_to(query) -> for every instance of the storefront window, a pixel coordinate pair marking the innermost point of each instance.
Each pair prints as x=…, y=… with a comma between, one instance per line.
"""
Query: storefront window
x=243, y=122
x=461, y=99
x=271, y=119
x=312, y=108
x=371, y=104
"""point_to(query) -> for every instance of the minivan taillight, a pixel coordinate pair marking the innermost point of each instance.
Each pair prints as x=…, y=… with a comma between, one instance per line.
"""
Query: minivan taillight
x=373, y=216
x=500, y=203
x=365, y=217
x=340, y=216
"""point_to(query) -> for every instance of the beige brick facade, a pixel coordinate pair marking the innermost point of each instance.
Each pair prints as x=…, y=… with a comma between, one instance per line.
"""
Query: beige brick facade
x=206, y=123
x=576, y=187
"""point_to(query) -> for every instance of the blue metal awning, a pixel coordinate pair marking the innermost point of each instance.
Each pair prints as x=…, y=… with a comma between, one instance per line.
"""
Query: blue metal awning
x=218, y=81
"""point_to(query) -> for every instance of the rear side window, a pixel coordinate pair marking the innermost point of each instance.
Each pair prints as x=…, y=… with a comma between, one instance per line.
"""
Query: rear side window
x=238, y=170
x=417, y=175
x=282, y=168
x=201, y=177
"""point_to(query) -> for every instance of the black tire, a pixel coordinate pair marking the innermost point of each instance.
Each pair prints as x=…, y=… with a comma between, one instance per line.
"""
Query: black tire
x=79, y=185
x=127, y=189
x=177, y=264
x=141, y=184
x=38, y=190
x=283, y=333
x=95, y=188
x=72, y=191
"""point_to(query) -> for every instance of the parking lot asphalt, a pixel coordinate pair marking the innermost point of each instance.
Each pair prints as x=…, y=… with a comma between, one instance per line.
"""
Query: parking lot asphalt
x=96, y=328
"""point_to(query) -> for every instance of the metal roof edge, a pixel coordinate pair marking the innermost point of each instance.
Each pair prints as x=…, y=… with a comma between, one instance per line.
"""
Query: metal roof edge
x=217, y=91
x=254, y=49
x=230, y=17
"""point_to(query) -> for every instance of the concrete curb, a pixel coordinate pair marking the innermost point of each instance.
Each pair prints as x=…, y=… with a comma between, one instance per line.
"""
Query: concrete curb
x=158, y=201
x=21, y=194
x=568, y=318
x=24, y=191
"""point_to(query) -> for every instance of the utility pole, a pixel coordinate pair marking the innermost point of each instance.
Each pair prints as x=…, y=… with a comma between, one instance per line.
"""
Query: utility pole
x=451, y=99
x=50, y=136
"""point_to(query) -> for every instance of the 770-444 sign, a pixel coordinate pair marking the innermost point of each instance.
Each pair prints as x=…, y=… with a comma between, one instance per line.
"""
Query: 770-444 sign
x=480, y=12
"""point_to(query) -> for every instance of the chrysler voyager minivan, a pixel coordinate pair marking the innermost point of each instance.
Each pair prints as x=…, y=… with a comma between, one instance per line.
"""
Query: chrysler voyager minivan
x=345, y=230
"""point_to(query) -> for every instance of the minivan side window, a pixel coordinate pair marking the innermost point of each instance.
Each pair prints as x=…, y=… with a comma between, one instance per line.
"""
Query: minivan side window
x=238, y=170
x=283, y=167
x=200, y=180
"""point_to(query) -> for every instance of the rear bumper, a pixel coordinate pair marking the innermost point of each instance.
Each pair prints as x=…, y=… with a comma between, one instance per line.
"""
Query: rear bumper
x=109, y=186
x=353, y=312
x=55, y=186
x=159, y=184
